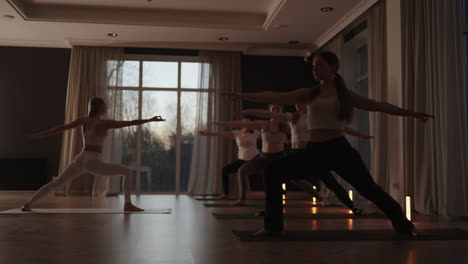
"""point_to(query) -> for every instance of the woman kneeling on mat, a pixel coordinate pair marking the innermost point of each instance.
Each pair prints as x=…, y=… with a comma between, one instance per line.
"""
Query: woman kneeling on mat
x=89, y=160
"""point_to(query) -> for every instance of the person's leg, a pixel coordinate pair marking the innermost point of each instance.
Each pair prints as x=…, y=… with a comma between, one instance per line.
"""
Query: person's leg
x=308, y=188
x=110, y=169
x=331, y=183
x=226, y=173
x=243, y=174
x=292, y=165
x=351, y=168
x=72, y=171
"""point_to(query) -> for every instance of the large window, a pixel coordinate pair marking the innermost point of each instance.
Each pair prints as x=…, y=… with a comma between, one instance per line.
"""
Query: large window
x=159, y=152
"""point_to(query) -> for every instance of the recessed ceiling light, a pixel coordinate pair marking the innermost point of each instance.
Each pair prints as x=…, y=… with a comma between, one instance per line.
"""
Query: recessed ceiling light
x=8, y=16
x=294, y=42
x=280, y=26
x=112, y=35
x=326, y=9
x=223, y=38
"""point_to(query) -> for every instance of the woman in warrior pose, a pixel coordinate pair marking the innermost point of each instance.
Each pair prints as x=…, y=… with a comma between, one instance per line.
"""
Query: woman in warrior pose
x=329, y=107
x=89, y=160
x=273, y=137
x=246, y=140
x=299, y=138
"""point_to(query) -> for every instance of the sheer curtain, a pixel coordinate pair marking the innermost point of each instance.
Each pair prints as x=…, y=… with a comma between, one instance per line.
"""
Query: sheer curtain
x=435, y=153
x=90, y=75
x=220, y=72
x=378, y=91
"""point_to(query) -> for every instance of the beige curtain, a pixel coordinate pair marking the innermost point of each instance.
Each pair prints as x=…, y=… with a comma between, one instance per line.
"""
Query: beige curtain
x=435, y=153
x=220, y=72
x=377, y=76
x=88, y=77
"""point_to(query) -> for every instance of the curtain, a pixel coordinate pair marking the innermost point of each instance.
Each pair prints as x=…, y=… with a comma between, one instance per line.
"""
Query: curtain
x=377, y=76
x=89, y=76
x=435, y=153
x=220, y=72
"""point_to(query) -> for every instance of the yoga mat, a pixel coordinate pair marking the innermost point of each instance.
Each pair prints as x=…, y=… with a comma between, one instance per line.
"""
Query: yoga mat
x=255, y=199
x=302, y=216
x=353, y=235
x=85, y=211
x=262, y=205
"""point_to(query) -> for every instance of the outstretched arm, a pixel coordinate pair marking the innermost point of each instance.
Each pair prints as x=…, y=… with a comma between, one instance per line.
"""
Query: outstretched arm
x=59, y=129
x=258, y=125
x=265, y=114
x=226, y=134
x=112, y=124
x=300, y=96
x=356, y=133
x=367, y=104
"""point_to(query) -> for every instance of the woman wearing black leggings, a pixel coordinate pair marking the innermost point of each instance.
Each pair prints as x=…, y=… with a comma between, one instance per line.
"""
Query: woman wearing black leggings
x=329, y=107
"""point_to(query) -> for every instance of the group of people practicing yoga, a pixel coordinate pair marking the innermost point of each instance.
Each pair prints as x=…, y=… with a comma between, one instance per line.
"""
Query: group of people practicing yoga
x=318, y=146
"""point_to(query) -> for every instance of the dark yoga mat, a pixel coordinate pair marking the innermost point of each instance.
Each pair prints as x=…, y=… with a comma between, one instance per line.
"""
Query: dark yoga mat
x=235, y=199
x=262, y=205
x=301, y=216
x=353, y=235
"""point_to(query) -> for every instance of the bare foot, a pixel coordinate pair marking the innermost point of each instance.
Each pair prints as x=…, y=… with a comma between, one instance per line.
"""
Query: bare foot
x=265, y=232
x=239, y=203
x=26, y=208
x=222, y=196
x=128, y=207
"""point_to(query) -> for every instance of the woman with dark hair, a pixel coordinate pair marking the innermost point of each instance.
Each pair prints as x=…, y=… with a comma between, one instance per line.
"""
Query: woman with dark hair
x=329, y=107
x=273, y=138
x=89, y=160
x=246, y=140
x=297, y=122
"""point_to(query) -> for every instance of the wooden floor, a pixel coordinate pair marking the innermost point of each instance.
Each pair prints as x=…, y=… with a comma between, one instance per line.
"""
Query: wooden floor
x=192, y=235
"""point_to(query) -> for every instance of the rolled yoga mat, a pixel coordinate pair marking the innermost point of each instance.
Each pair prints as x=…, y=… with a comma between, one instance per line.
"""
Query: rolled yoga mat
x=86, y=211
x=244, y=216
x=353, y=235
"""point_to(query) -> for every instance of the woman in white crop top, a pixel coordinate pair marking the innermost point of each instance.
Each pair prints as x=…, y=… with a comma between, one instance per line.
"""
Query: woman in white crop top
x=299, y=140
x=330, y=107
x=273, y=139
x=246, y=140
x=89, y=160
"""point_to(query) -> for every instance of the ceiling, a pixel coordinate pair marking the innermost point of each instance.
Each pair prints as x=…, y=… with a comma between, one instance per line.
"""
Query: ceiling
x=248, y=24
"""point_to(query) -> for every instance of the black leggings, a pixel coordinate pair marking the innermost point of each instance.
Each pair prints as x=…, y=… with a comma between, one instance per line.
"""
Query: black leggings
x=318, y=159
x=330, y=183
x=227, y=170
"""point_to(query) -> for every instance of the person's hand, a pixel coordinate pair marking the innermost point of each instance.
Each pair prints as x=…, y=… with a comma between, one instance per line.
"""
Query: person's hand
x=157, y=119
x=203, y=133
x=366, y=137
x=36, y=136
x=232, y=96
x=422, y=116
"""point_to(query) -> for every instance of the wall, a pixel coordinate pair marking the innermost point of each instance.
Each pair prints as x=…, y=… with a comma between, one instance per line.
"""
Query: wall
x=33, y=85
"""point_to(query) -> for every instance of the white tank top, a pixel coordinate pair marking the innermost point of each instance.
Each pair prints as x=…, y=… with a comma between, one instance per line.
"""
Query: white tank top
x=89, y=135
x=272, y=138
x=322, y=113
x=247, y=144
x=299, y=129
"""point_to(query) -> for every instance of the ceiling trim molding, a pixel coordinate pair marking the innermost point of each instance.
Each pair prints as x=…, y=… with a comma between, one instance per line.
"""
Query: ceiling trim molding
x=139, y=16
x=272, y=13
x=346, y=20
x=34, y=43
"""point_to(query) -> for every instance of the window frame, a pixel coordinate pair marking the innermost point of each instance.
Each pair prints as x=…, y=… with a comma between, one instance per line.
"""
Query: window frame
x=179, y=91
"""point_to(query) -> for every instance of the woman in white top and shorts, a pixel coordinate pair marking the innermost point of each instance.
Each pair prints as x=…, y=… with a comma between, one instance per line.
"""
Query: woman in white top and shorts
x=89, y=160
